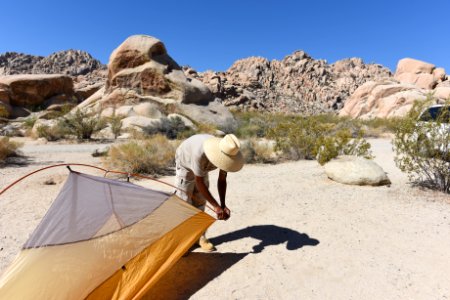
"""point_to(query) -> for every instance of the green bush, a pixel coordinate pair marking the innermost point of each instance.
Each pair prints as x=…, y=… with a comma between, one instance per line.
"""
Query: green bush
x=311, y=138
x=255, y=124
x=422, y=148
x=8, y=148
x=154, y=155
x=29, y=122
x=82, y=124
x=50, y=133
x=116, y=125
x=170, y=127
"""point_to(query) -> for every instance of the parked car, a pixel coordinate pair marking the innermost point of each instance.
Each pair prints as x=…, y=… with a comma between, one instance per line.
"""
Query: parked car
x=433, y=132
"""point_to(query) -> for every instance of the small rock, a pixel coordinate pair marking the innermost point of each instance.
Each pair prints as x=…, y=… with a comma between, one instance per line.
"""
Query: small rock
x=50, y=181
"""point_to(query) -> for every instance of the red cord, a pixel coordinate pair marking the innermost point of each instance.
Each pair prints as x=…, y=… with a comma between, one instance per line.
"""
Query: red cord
x=98, y=168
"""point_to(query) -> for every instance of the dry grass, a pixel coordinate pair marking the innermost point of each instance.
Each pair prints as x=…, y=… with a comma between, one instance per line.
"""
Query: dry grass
x=259, y=151
x=3, y=112
x=8, y=148
x=154, y=156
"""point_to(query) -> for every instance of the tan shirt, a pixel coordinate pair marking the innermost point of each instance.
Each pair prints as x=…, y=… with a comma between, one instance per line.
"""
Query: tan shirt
x=191, y=156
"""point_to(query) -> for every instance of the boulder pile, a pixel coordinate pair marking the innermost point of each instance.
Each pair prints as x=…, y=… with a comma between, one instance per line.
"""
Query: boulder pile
x=394, y=97
x=296, y=84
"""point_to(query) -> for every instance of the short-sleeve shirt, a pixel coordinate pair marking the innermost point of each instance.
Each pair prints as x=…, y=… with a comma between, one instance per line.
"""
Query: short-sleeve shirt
x=190, y=155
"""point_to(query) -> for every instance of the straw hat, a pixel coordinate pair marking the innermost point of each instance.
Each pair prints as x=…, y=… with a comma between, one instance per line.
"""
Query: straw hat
x=224, y=152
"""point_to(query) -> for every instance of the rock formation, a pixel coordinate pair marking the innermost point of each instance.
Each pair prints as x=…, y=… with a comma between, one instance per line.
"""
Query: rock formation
x=394, y=97
x=422, y=74
x=296, y=84
x=20, y=94
x=88, y=74
x=145, y=84
x=70, y=62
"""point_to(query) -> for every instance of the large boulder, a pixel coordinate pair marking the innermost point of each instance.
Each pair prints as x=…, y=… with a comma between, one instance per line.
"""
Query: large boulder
x=144, y=83
x=141, y=63
x=382, y=99
x=420, y=73
x=356, y=171
x=33, y=90
x=410, y=65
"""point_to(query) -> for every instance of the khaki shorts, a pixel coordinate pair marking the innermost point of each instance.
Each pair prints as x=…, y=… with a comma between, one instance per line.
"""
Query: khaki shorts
x=187, y=189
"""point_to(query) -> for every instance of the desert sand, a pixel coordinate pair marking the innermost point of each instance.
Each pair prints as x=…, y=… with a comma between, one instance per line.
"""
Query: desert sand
x=293, y=233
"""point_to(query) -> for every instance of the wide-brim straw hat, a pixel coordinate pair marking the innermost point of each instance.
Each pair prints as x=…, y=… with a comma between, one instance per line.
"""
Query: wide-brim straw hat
x=224, y=152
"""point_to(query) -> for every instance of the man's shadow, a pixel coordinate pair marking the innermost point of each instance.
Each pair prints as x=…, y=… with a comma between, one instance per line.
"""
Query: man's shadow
x=193, y=272
x=268, y=235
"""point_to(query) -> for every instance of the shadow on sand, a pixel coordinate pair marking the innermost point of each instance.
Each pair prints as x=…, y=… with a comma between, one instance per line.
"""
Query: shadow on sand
x=268, y=235
x=193, y=272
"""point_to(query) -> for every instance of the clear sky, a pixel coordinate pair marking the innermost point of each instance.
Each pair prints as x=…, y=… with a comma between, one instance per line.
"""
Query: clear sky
x=213, y=34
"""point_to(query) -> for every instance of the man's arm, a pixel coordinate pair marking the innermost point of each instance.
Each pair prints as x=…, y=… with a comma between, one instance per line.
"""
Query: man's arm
x=222, y=188
x=203, y=189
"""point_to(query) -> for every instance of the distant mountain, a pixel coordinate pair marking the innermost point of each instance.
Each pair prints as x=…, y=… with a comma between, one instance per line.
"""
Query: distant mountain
x=68, y=62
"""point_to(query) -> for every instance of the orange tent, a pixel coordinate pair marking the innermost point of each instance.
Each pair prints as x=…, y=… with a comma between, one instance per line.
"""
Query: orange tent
x=103, y=239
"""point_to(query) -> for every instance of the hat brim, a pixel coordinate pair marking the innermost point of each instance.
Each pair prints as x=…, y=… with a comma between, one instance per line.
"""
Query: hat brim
x=221, y=160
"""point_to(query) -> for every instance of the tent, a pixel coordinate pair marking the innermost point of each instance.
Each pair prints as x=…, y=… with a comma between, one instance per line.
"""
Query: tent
x=103, y=239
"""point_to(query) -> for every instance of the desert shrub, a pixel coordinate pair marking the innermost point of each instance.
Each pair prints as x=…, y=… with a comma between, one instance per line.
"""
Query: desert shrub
x=29, y=122
x=3, y=112
x=229, y=126
x=205, y=128
x=422, y=147
x=170, y=127
x=50, y=133
x=378, y=127
x=82, y=124
x=116, y=125
x=8, y=148
x=342, y=142
x=310, y=138
x=154, y=155
x=256, y=124
x=258, y=151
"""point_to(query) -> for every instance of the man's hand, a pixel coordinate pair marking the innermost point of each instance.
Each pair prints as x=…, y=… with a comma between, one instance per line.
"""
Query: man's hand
x=227, y=213
x=222, y=213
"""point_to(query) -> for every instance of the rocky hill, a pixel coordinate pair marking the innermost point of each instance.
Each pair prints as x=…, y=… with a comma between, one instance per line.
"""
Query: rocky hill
x=297, y=84
x=69, y=62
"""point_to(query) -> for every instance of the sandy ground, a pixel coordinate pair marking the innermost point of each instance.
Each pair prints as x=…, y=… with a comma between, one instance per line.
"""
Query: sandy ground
x=293, y=234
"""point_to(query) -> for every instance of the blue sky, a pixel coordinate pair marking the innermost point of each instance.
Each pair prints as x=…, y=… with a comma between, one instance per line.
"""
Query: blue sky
x=213, y=34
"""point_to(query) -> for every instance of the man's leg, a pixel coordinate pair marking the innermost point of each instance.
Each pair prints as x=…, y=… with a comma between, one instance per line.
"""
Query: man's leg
x=199, y=201
x=184, y=183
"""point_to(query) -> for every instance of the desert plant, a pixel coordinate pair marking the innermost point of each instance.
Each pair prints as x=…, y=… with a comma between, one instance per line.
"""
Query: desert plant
x=4, y=113
x=154, y=155
x=50, y=133
x=82, y=124
x=309, y=138
x=29, y=122
x=422, y=146
x=342, y=143
x=258, y=151
x=170, y=127
x=8, y=148
x=116, y=125
x=256, y=124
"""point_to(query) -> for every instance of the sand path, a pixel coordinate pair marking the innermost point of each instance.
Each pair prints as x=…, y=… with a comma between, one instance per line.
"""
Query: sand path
x=293, y=234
